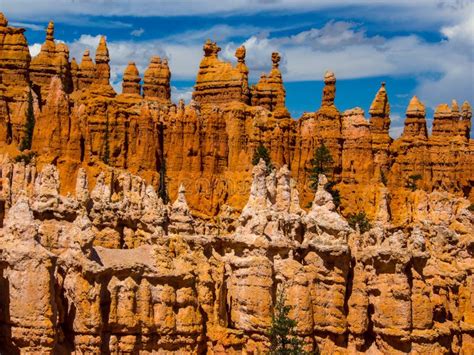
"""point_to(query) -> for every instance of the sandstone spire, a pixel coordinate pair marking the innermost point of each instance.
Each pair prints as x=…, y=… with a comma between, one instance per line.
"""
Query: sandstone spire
x=219, y=82
x=380, y=125
x=102, y=60
x=87, y=73
x=156, y=81
x=50, y=31
x=131, y=80
x=75, y=74
x=329, y=91
x=3, y=20
x=269, y=92
x=415, y=123
x=444, y=122
x=53, y=60
x=465, y=121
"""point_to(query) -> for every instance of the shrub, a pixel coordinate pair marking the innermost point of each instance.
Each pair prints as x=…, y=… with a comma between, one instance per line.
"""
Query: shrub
x=282, y=333
x=321, y=163
x=25, y=157
x=29, y=125
x=412, y=181
x=359, y=219
x=262, y=153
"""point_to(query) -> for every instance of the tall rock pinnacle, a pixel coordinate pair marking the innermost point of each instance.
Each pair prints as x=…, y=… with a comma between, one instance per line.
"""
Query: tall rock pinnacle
x=415, y=122
x=102, y=60
x=131, y=80
x=379, y=126
x=329, y=91
x=156, y=81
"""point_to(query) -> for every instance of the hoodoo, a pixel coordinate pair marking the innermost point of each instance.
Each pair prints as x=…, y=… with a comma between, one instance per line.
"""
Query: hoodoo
x=370, y=238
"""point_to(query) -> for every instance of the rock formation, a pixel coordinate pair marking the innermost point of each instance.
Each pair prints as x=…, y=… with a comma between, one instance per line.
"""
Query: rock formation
x=218, y=81
x=116, y=270
x=91, y=259
x=156, y=81
x=269, y=92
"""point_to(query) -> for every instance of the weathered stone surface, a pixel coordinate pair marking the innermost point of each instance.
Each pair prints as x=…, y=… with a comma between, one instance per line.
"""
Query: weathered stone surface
x=156, y=81
x=218, y=81
x=151, y=287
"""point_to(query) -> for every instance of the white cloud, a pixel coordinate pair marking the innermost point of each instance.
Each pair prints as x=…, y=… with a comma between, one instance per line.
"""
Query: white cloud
x=184, y=93
x=30, y=26
x=138, y=32
x=34, y=49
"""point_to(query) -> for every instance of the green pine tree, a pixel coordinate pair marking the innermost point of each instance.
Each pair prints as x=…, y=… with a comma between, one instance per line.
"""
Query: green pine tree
x=29, y=125
x=282, y=333
x=360, y=219
x=322, y=163
x=163, y=191
x=262, y=153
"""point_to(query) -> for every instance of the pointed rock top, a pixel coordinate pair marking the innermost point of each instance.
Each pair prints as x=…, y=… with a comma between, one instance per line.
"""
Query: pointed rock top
x=74, y=65
x=454, y=106
x=466, y=109
x=416, y=108
x=102, y=52
x=50, y=31
x=131, y=70
x=3, y=20
x=380, y=104
x=442, y=110
x=86, y=62
x=156, y=60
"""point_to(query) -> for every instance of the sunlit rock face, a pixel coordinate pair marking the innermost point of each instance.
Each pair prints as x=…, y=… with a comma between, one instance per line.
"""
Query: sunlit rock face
x=92, y=260
x=113, y=269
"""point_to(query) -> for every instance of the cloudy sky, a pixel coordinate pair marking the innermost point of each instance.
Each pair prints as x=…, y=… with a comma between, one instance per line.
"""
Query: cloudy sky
x=422, y=47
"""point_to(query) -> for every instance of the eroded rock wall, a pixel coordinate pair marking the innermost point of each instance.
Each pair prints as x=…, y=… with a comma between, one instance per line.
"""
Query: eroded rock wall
x=113, y=269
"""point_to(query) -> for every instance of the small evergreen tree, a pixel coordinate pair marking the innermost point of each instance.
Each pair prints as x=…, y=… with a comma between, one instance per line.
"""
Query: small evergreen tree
x=29, y=125
x=163, y=191
x=262, y=153
x=321, y=163
x=282, y=333
x=359, y=219
x=412, y=181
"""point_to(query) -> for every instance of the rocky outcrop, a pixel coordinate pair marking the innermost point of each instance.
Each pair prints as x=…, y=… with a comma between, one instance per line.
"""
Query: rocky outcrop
x=219, y=82
x=269, y=92
x=208, y=144
x=156, y=81
x=52, y=61
x=113, y=269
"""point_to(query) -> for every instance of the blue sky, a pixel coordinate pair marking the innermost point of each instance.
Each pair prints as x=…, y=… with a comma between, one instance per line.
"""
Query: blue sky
x=423, y=47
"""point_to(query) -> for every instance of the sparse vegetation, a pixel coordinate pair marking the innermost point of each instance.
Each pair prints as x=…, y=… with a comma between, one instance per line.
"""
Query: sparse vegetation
x=383, y=178
x=29, y=125
x=262, y=153
x=25, y=157
x=322, y=163
x=282, y=333
x=412, y=181
x=163, y=190
x=360, y=219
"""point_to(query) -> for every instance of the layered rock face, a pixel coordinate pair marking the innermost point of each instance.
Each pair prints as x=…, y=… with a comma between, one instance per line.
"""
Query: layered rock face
x=208, y=144
x=113, y=270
